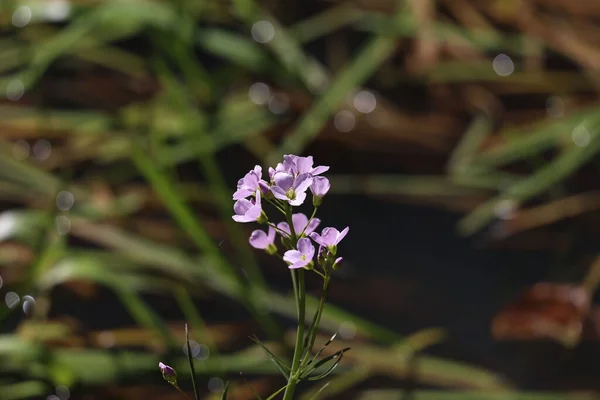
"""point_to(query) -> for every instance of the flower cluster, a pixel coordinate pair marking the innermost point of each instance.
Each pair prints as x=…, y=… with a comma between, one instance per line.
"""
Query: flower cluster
x=287, y=188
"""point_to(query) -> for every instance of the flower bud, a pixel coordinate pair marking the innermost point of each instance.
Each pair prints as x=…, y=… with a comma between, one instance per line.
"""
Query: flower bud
x=168, y=373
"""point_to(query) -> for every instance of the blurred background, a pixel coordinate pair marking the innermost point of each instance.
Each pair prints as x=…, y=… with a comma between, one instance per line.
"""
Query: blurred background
x=463, y=139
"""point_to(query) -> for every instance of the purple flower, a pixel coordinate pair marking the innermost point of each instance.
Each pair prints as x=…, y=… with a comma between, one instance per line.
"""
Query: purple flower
x=247, y=210
x=300, y=222
x=261, y=240
x=168, y=373
x=248, y=185
x=319, y=188
x=304, y=165
x=295, y=165
x=330, y=237
x=289, y=188
x=301, y=257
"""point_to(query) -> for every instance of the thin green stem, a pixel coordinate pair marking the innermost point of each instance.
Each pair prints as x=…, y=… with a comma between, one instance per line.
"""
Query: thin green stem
x=298, y=351
x=310, y=219
x=315, y=329
x=181, y=391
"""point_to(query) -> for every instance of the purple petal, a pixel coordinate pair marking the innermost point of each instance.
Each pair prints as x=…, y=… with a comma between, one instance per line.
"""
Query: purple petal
x=283, y=226
x=255, y=211
x=289, y=163
x=250, y=180
x=302, y=182
x=300, y=197
x=312, y=225
x=320, y=186
x=329, y=236
x=342, y=235
x=317, y=238
x=258, y=171
x=299, y=264
x=263, y=186
x=279, y=193
x=259, y=239
x=299, y=221
x=292, y=256
x=271, y=234
x=243, y=218
x=242, y=193
x=242, y=206
x=271, y=173
x=319, y=170
x=306, y=248
x=304, y=164
x=283, y=180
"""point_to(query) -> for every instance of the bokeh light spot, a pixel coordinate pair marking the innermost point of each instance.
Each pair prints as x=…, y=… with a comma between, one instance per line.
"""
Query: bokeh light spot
x=15, y=90
x=21, y=150
x=12, y=299
x=365, y=101
x=63, y=392
x=21, y=17
x=503, y=65
x=259, y=93
x=263, y=31
x=216, y=385
x=42, y=149
x=57, y=10
x=63, y=225
x=28, y=304
x=344, y=121
x=580, y=136
x=505, y=209
x=65, y=200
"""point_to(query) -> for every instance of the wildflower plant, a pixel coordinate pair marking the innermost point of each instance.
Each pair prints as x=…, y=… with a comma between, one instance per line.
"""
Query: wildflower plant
x=286, y=189
x=300, y=246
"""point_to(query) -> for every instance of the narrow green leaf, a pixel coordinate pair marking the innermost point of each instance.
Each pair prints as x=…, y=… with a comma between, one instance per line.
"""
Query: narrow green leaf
x=225, y=390
x=191, y=362
x=281, y=365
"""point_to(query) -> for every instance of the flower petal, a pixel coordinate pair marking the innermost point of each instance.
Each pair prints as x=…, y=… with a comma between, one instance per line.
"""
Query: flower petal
x=328, y=236
x=271, y=234
x=283, y=226
x=342, y=235
x=304, y=164
x=279, y=193
x=242, y=193
x=306, y=248
x=283, y=180
x=300, y=197
x=259, y=239
x=299, y=264
x=292, y=256
x=320, y=186
x=299, y=221
x=319, y=170
x=312, y=225
x=317, y=238
x=302, y=182
x=242, y=206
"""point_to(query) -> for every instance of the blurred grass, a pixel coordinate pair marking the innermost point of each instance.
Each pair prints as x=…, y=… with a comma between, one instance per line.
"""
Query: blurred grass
x=191, y=111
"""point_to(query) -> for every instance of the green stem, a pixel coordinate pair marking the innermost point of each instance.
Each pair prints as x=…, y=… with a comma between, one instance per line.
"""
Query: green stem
x=315, y=328
x=298, y=351
x=181, y=391
x=310, y=219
